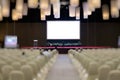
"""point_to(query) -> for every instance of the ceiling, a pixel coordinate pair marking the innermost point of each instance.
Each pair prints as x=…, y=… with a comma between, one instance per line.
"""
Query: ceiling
x=34, y=14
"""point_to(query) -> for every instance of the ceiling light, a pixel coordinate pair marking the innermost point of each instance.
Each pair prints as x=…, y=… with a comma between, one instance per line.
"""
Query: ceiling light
x=114, y=9
x=5, y=8
x=105, y=12
x=32, y=3
x=77, y=13
x=72, y=11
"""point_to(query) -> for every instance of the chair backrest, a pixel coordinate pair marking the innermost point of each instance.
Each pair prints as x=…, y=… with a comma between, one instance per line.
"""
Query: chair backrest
x=28, y=72
x=34, y=67
x=114, y=75
x=16, y=75
x=5, y=71
x=103, y=72
x=118, y=67
x=1, y=77
x=16, y=65
x=1, y=65
x=93, y=68
x=23, y=62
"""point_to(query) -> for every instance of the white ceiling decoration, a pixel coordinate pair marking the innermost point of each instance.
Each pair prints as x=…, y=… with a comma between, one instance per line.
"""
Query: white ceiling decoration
x=53, y=7
x=105, y=12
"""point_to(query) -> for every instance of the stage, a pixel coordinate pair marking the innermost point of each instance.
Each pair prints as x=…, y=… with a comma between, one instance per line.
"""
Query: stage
x=64, y=49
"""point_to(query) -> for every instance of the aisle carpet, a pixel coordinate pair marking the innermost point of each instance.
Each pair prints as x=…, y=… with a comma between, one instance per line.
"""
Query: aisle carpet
x=63, y=69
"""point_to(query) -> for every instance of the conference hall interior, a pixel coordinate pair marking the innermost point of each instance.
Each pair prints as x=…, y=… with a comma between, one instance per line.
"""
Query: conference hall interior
x=59, y=39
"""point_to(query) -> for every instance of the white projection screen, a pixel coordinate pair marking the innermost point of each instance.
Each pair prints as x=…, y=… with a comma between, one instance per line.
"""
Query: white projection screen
x=63, y=30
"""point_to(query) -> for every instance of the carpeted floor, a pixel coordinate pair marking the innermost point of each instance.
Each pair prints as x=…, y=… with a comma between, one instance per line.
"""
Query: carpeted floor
x=63, y=69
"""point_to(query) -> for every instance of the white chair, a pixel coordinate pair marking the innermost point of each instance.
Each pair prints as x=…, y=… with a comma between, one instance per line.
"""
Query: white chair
x=5, y=71
x=16, y=75
x=114, y=75
x=103, y=72
x=16, y=65
x=28, y=72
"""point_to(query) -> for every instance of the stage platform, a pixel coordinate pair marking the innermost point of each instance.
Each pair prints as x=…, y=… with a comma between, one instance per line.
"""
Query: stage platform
x=64, y=49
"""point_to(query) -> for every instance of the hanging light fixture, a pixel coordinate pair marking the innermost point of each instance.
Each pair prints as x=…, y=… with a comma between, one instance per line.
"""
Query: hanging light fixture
x=74, y=3
x=85, y=13
x=48, y=11
x=114, y=9
x=56, y=10
x=105, y=12
x=19, y=5
x=89, y=12
x=54, y=1
x=25, y=9
x=44, y=4
x=1, y=17
x=19, y=8
x=5, y=8
x=42, y=14
x=72, y=11
x=20, y=15
x=91, y=6
x=32, y=3
x=86, y=10
x=14, y=15
x=118, y=4
x=78, y=13
x=96, y=3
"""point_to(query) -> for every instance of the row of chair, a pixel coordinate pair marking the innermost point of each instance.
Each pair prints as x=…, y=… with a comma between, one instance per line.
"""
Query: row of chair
x=97, y=64
x=25, y=64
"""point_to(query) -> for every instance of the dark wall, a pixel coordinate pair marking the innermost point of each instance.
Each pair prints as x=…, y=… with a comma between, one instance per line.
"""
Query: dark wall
x=92, y=34
x=26, y=32
x=100, y=34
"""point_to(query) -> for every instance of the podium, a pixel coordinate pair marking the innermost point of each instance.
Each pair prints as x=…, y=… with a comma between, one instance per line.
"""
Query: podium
x=35, y=43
